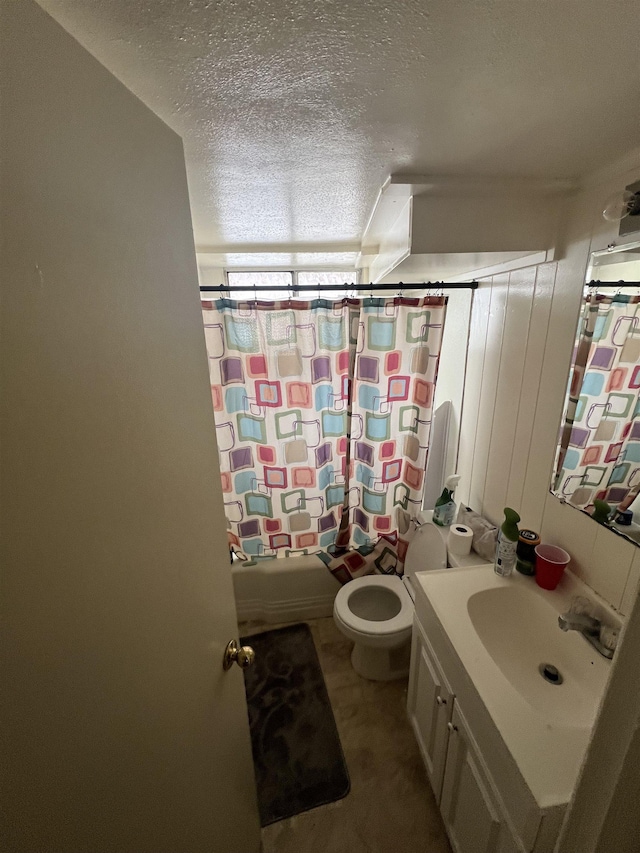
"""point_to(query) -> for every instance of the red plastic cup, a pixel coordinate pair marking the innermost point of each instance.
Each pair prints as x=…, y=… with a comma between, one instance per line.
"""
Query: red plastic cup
x=551, y=562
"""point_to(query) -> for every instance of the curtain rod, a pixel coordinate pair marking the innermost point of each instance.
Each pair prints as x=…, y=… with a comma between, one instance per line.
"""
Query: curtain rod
x=315, y=288
x=619, y=284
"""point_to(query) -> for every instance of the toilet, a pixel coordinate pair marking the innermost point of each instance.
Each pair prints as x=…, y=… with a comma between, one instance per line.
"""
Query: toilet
x=376, y=611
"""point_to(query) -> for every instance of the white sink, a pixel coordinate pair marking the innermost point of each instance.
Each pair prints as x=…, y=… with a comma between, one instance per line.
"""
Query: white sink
x=502, y=629
x=520, y=631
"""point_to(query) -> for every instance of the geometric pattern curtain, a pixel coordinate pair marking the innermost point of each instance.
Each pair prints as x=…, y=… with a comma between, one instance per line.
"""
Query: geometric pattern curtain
x=396, y=367
x=322, y=410
x=599, y=449
x=280, y=384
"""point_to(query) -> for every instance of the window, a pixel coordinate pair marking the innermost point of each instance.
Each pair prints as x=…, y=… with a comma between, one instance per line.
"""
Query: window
x=340, y=278
x=264, y=279
x=292, y=280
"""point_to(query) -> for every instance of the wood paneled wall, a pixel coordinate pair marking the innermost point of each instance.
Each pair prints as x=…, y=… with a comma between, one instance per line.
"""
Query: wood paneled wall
x=521, y=338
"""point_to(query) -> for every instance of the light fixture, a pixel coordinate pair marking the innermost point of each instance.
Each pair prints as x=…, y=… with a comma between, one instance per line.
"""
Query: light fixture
x=622, y=204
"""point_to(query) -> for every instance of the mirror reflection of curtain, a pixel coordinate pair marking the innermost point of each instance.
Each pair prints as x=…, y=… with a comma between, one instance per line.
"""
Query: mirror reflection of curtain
x=323, y=411
x=599, y=449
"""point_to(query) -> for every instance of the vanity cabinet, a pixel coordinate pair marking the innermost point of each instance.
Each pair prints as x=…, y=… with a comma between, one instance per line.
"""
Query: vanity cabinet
x=486, y=802
x=430, y=705
x=470, y=808
x=473, y=814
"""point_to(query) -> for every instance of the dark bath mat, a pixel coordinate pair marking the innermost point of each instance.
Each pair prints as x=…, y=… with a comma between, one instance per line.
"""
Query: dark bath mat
x=297, y=755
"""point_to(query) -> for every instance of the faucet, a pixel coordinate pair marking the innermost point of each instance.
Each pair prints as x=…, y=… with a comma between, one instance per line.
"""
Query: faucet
x=570, y=621
x=601, y=636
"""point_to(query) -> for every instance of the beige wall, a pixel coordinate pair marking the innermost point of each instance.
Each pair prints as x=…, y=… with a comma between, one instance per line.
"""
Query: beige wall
x=520, y=344
x=120, y=731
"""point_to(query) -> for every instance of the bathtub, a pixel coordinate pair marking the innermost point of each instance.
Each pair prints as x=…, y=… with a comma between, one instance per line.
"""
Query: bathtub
x=284, y=590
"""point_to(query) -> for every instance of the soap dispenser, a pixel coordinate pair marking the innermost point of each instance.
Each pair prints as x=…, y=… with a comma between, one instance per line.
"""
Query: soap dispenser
x=444, y=512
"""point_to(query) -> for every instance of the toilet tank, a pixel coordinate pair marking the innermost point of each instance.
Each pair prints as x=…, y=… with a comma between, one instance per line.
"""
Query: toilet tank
x=429, y=553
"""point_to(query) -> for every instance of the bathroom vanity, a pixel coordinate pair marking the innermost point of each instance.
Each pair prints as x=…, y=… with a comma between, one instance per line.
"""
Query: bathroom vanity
x=502, y=745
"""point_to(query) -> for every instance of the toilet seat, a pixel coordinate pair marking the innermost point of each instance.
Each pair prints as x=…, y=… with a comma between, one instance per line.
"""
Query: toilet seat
x=398, y=624
x=427, y=550
x=382, y=645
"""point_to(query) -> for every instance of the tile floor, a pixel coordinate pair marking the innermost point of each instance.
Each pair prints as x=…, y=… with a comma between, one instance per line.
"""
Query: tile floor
x=390, y=808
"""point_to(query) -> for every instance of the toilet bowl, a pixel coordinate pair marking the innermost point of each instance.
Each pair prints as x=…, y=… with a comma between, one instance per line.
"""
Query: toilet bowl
x=376, y=611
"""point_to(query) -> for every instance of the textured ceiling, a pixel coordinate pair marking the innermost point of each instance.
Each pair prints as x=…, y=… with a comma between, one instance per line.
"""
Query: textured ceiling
x=293, y=112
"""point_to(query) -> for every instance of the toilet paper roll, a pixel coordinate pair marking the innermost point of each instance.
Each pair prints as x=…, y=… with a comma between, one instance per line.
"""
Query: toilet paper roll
x=460, y=539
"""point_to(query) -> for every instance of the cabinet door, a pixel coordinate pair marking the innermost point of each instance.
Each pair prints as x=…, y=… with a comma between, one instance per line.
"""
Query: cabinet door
x=471, y=812
x=430, y=705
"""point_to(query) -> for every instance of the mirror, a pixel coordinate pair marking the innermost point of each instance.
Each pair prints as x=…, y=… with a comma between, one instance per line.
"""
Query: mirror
x=598, y=453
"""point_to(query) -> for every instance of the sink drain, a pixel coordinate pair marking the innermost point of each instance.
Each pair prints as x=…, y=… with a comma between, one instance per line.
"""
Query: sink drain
x=550, y=673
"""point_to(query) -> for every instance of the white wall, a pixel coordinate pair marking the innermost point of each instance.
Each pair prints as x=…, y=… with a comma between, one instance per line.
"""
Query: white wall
x=485, y=222
x=520, y=344
x=621, y=827
x=210, y=276
x=603, y=815
x=395, y=245
x=451, y=370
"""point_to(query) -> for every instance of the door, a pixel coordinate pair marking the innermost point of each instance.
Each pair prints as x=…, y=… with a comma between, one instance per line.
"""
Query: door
x=430, y=702
x=120, y=730
x=470, y=809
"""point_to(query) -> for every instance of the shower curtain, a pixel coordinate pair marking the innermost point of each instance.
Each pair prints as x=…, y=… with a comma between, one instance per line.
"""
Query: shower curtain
x=599, y=449
x=322, y=411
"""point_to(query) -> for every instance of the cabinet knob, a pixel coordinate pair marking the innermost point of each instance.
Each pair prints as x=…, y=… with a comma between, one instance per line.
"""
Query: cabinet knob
x=440, y=700
x=451, y=727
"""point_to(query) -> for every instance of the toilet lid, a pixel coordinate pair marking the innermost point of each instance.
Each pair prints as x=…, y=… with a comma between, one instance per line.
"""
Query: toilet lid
x=427, y=550
x=402, y=621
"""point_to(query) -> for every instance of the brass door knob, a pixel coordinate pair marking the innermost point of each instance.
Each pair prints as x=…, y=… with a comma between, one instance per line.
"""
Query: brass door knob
x=242, y=655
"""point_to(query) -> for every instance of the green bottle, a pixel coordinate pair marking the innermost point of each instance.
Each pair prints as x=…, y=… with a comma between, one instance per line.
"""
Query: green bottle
x=444, y=512
x=507, y=543
x=601, y=512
